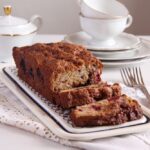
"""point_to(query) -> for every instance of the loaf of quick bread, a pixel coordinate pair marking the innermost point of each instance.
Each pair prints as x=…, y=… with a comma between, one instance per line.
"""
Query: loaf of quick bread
x=111, y=111
x=50, y=68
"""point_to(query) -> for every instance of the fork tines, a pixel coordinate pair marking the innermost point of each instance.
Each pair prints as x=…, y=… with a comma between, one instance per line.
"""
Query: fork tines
x=132, y=76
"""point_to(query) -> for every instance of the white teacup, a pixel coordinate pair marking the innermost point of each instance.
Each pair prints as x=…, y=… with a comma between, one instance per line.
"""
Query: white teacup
x=103, y=9
x=104, y=30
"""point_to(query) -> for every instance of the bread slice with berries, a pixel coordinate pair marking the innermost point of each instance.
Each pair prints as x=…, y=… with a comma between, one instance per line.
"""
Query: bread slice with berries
x=112, y=111
x=87, y=94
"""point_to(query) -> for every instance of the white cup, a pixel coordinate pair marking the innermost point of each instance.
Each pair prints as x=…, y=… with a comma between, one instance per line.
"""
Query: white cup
x=104, y=30
x=103, y=9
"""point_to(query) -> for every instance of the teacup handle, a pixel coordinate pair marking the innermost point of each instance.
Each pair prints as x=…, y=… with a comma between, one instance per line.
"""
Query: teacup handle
x=36, y=19
x=129, y=21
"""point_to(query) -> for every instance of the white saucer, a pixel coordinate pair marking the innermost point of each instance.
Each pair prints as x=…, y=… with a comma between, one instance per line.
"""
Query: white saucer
x=140, y=53
x=139, y=57
x=123, y=42
x=120, y=64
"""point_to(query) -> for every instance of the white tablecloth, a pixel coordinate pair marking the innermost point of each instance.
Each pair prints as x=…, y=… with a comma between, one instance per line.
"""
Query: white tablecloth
x=140, y=141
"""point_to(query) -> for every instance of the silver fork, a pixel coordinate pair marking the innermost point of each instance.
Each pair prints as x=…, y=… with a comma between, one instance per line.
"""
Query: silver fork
x=133, y=77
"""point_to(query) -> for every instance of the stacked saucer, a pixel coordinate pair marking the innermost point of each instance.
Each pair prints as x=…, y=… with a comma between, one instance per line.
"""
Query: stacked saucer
x=128, y=50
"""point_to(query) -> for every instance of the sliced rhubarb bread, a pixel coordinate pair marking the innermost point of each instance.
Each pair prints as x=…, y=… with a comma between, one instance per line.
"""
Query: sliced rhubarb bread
x=112, y=111
x=87, y=94
x=49, y=68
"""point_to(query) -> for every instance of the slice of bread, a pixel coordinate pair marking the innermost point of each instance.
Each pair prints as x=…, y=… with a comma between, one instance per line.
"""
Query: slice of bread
x=112, y=111
x=87, y=94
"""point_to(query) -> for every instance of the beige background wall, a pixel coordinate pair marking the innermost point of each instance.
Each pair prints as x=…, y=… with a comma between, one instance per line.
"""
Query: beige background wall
x=140, y=10
x=61, y=16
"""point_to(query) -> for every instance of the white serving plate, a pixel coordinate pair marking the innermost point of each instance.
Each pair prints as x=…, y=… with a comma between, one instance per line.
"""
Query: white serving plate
x=57, y=121
x=61, y=116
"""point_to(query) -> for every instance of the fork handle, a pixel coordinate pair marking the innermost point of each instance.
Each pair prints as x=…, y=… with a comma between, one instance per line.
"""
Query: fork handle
x=145, y=91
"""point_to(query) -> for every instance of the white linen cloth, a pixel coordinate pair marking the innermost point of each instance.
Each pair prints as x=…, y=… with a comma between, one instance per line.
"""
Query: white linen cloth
x=14, y=113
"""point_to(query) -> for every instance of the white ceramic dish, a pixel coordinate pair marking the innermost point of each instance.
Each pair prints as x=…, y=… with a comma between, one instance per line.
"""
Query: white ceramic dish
x=88, y=9
x=57, y=113
x=143, y=51
x=15, y=31
x=21, y=90
x=103, y=31
x=114, y=55
x=120, y=64
x=124, y=42
x=103, y=9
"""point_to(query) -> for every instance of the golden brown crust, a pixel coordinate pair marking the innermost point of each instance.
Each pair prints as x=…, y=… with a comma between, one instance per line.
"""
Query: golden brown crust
x=49, y=68
x=113, y=111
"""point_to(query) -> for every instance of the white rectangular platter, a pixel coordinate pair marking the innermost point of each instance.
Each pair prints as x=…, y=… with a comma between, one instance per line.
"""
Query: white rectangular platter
x=57, y=120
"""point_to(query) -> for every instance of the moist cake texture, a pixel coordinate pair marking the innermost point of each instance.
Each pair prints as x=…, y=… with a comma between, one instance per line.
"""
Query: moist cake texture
x=87, y=94
x=50, y=68
x=111, y=111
